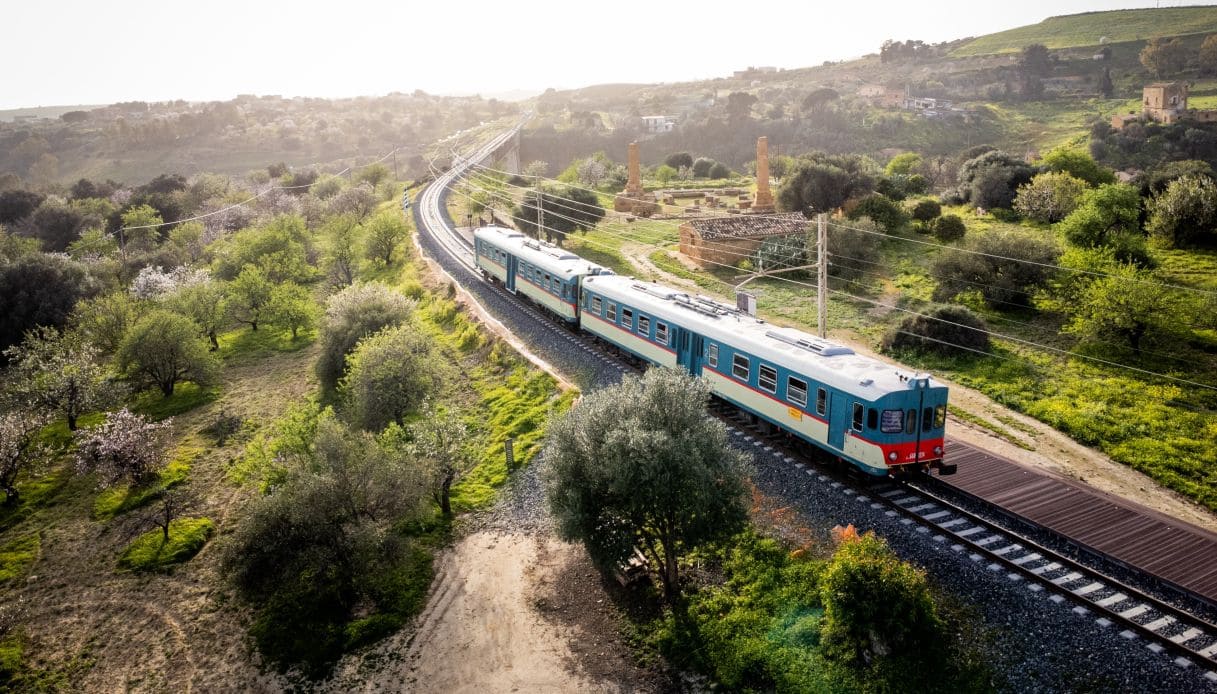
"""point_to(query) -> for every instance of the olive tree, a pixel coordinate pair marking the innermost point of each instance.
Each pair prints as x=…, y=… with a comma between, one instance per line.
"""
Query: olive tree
x=163, y=349
x=1185, y=214
x=1006, y=268
x=1127, y=304
x=249, y=296
x=1110, y=216
x=642, y=465
x=389, y=375
x=1049, y=197
x=352, y=314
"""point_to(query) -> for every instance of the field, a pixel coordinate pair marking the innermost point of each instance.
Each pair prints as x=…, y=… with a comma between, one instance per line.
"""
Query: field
x=1087, y=29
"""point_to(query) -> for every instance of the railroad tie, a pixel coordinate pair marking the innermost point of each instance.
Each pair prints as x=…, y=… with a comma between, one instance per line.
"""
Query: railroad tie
x=1111, y=600
x=1087, y=590
x=1186, y=636
x=1134, y=611
x=1160, y=623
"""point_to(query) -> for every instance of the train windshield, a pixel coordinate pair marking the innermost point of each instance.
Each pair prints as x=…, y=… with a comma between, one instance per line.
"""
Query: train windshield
x=892, y=421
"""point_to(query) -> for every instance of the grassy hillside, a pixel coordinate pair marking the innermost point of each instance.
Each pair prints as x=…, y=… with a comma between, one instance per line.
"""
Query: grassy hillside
x=1086, y=29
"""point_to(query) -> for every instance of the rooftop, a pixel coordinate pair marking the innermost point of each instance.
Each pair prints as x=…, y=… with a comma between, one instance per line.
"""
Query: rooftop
x=746, y=226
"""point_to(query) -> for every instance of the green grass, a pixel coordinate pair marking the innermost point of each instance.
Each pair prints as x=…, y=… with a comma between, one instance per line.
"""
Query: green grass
x=122, y=498
x=150, y=552
x=503, y=397
x=245, y=344
x=997, y=429
x=186, y=396
x=33, y=494
x=1086, y=29
x=17, y=556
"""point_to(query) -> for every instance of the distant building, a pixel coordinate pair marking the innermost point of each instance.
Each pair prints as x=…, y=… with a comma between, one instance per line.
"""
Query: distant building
x=753, y=71
x=1164, y=102
x=719, y=241
x=658, y=124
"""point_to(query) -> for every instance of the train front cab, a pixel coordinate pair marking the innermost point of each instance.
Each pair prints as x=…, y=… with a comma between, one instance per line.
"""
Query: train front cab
x=907, y=427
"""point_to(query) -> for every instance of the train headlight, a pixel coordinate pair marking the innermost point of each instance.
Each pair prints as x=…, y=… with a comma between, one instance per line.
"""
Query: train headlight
x=937, y=450
x=892, y=456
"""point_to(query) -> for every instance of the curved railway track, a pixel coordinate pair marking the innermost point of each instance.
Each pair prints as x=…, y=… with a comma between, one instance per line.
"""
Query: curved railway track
x=1004, y=548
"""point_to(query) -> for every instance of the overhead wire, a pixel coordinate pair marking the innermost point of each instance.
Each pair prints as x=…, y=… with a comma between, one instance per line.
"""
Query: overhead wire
x=990, y=333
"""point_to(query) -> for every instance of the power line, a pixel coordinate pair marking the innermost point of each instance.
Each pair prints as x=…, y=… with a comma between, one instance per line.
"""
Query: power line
x=1010, y=338
x=839, y=224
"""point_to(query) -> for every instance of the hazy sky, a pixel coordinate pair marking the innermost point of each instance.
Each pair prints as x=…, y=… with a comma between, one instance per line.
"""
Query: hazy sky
x=89, y=52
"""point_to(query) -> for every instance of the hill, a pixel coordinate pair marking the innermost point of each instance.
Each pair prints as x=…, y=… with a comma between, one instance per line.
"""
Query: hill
x=1075, y=30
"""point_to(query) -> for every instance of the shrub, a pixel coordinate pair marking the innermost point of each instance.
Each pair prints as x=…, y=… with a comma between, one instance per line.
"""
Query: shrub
x=1006, y=268
x=701, y=167
x=949, y=330
x=925, y=211
x=885, y=212
x=850, y=246
x=679, y=160
x=1185, y=214
x=389, y=375
x=352, y=314
x=903, y=626
x=1049, y=197
x=949, y=228
x=719, y=170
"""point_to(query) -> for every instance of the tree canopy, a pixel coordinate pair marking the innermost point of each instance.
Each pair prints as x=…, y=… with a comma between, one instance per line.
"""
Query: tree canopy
x=641, y=464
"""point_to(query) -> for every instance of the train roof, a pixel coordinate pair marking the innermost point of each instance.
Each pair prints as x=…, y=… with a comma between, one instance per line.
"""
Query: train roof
x=544, y=255
x=825, y=361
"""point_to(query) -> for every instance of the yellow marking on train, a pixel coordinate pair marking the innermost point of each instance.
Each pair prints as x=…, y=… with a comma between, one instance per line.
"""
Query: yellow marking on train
x=795, y=413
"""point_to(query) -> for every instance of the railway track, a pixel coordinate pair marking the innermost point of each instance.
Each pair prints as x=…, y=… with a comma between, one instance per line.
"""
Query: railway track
x=1011, y=554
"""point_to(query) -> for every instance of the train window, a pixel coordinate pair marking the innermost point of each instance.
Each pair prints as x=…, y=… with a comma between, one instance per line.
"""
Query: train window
x=661, y=333
x=740, y=368
x=644, y=325
x=611, y=313
x=627, y=318
x=796, y=391
x=857, y=422
x=596, y=305
x=940, y=416
x=872, y=418
x=892, y=421
x=821, y=401
x=927, y=419
x=768, y=378
x=910, y=423
x=712, y=356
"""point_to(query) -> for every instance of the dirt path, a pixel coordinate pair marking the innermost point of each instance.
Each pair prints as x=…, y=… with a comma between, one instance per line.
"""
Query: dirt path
x=483, y=630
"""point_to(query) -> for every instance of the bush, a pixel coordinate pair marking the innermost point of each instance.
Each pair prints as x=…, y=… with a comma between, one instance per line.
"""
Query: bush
x=1185, y=214
x=850, y=246
x=949, y=228
x=950, y=330
x=701, y=167
x=719, y=170
x=39, y=289
x=903, y=628
x=1006, y=268
x=679, y=160
x=352, y=314
x=1049, y=197
x=150, y=551
x=389, y=375
x=889, y=215
x=925, y=211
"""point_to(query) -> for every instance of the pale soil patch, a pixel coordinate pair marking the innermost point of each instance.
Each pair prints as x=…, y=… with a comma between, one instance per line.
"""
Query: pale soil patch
x=481, y=630
x=1053, y=451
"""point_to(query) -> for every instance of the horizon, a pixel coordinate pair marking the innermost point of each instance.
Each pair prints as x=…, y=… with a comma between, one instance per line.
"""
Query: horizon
x=365, y=68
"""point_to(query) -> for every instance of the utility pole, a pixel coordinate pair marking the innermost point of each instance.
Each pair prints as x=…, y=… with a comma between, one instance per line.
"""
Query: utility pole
x=396, y=177
x=540, y=212
x=821, y=276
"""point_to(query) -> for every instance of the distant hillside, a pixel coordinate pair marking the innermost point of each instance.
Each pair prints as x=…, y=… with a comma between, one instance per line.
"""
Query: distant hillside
x=1086, y=29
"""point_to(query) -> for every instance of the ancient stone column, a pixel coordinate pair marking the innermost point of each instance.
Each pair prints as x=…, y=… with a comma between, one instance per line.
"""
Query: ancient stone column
x=633, y=187
x=764, y=197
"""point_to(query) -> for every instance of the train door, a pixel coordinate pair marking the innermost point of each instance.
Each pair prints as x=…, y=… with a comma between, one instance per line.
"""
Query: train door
x=695, y=352
x=683, y=343
x=837, y=407
x=511, y=273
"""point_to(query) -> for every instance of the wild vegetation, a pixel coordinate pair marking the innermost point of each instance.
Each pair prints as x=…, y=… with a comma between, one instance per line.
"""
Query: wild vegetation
x=179, y=382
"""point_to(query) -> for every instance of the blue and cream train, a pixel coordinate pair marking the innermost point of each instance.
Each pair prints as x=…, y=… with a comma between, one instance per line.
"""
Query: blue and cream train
x=878, y=417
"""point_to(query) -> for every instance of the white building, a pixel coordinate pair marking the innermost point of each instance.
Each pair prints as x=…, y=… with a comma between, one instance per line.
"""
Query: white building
x=658, y=124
